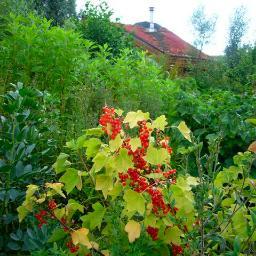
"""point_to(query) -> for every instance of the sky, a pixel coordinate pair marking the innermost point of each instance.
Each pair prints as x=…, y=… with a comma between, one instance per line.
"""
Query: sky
x=176, y=16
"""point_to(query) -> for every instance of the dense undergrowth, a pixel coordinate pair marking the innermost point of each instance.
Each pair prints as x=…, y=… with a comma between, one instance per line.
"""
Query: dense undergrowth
x=54, y=83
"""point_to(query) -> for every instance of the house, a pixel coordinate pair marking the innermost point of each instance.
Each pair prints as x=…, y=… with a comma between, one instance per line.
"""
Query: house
x=163, y=43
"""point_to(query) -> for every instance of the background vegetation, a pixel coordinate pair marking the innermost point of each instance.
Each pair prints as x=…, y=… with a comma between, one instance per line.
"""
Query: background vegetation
x=55, y=77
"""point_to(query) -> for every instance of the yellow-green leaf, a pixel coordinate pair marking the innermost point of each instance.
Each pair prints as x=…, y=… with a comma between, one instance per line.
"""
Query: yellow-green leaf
x=104, y=183
x=31, y=189
x=92, y=147
x=251, y=120
x=135, y=143
x=134, y=201
x=73, y=205
x=116, y=143
x=160, y=123
x=99, y=161
x=80, y=236
x=94, y=132
x=119, y=111
x=157, y=156
x=56, y=187
x=132, y=118
x=185, y=131
x=172, y=235
x=123, y=161
x=133, y=229
x=22, y=212
x=59, y=213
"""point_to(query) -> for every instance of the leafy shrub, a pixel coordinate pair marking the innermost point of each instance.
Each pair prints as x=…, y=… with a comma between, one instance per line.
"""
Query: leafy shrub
x=95, y=25
x=42, y=56
x=26, y=153
x=218, y=112
x=117, y=186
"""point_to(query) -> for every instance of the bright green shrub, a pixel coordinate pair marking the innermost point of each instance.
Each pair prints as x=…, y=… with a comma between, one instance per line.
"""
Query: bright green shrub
x=42, y=56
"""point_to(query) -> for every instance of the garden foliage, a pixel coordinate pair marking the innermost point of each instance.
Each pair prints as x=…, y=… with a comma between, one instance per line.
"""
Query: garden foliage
x=115, y=191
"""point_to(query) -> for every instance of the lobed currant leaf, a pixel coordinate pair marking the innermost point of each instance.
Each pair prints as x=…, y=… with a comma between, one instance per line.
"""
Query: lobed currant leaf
x=134, y=201
x=61, y=163
x=132, y=118
x=133, y=229
x=185, y=131
x=157, y=156
x=123, y=161
x=159, y=123
x=80, y=236
x=94, y=219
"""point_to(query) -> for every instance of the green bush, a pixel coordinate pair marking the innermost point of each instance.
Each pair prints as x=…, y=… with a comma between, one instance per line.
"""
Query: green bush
x=95, y=24
x=26, y=154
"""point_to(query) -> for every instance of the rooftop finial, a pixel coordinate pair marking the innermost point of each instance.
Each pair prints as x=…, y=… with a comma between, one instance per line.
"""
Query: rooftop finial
x=151, y=25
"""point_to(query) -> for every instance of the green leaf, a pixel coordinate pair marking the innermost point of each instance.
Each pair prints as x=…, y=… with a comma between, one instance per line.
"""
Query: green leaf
x=94, y=132
x=135, y=143
x=116, y=143
x=134, y=201
x=99, y=161
x=132, y=118
x=92, y=147
x=185, y=131
x=104, y=183
x=226, y=176
x=227, y=202
x=123, y=161
x=71, y=144
x=57, y=235
x=73, y=205
x=94, y=219
x=61, y=163
x=237, y=245
x=240, y=223
x=70, y=179
x=160, y=123
x=172, y=235
x=157, y=156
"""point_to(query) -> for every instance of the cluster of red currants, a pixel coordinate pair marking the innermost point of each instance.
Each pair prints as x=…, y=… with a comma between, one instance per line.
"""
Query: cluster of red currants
x=153, y=232
x=111, y=125
x=144, y=133
x=176, y=249
x=72, y=248
x=165, y=144
x=43, y=214
x=158, y=201
x=41, y=218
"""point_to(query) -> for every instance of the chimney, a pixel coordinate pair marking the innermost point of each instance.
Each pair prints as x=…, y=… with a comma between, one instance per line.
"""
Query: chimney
x=151, y=25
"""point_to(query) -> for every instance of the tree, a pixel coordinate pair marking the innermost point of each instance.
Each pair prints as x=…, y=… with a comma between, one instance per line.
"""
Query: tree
x=204, y=27
x=57, y=10
x=95, y=24
x=237, y=29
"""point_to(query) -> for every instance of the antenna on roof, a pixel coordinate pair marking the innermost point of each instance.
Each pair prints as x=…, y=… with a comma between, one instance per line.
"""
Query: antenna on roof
x=151, y=25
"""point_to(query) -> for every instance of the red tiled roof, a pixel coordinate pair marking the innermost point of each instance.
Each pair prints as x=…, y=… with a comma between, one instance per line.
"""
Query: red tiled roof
x=163, y=40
